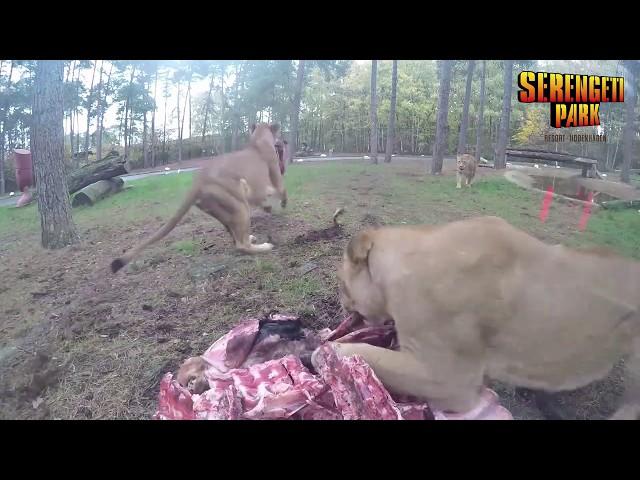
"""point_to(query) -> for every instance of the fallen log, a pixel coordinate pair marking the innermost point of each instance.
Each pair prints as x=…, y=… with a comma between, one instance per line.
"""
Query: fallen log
x=90, y=194
x=549, y=156
x=110, y=166
x=620, y=204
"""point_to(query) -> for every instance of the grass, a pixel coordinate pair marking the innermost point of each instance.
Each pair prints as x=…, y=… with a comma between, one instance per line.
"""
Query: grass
x=193, y=294
x=186, y=247
x=144, y=198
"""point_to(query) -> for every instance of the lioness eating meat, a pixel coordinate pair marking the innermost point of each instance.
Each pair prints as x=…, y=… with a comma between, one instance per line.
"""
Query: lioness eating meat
x=227, y=188
x=465, y=168
x=478, y=299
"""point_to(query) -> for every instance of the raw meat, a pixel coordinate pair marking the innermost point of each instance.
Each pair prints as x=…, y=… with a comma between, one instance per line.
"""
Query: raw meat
x=261, y=370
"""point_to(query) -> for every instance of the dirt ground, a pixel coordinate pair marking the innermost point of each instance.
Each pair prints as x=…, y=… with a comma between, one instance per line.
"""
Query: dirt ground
x=77, y=342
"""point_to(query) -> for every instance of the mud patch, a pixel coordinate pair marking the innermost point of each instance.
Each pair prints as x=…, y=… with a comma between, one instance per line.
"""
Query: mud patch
x=40, y=373
x=330, y=233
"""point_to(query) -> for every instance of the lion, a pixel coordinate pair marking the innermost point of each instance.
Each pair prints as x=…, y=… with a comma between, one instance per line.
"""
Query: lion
x=480, y=299
x=466, y=168
x=227, y=188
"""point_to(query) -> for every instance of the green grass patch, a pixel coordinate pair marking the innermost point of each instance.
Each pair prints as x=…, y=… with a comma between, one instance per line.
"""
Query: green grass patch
x=395, y=195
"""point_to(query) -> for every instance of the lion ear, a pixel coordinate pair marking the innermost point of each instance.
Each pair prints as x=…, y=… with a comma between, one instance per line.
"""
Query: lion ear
x=359, y=247
x=275, y=128
x=252, y=128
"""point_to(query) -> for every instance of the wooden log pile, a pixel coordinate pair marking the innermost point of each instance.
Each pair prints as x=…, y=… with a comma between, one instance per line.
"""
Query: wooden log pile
x=110, y=166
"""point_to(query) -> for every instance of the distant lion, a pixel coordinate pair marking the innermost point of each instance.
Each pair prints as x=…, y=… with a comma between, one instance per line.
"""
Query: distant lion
x=466, y=168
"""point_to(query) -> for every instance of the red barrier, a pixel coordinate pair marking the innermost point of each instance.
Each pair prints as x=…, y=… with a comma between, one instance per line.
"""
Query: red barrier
x=24, y=169
x=24, y=175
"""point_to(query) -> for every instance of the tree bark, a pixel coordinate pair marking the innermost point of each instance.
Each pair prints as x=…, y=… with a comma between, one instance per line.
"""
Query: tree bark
x=373, y=144
x=462, y=139
x=91, y=194
x=58, y=229
x=295, y=110
x=110, y=166
x=445, y=68
x=480, y=127
x=89, y=102
x=391, y=127
x=629, y=120
x=503, y=134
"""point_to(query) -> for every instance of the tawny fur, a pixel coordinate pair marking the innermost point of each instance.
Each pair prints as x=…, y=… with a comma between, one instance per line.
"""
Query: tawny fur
x=465, y=169
x=227, y=189
x=479, y=298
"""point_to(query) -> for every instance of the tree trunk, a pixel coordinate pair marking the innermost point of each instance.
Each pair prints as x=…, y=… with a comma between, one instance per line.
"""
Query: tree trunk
x=234, y=113
x=58, y=229
x=2, y=180
x=480, y=126
x=206, y=110
x=153, y=121
x=611, y=162
x=179, y=132
x=3, y=124
x=127, y=102
x=145, y=157
x=629, y=120
x=503, y=135
x=222, y=114
x=462, y=139
x=99, y=115
x=89, y=102
x=131, y=127
x=66, y=81
x=77, y=116
x=120, y=130
x=72, y=112
x=295, y=110
x=164, y=124
x=374, y=113
x=78, y=135
x=445, y=68
x=71, y=133
x=189, y=93
x=184, y=114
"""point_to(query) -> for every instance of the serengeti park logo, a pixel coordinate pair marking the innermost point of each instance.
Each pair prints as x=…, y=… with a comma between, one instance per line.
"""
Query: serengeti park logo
x=575, y=99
